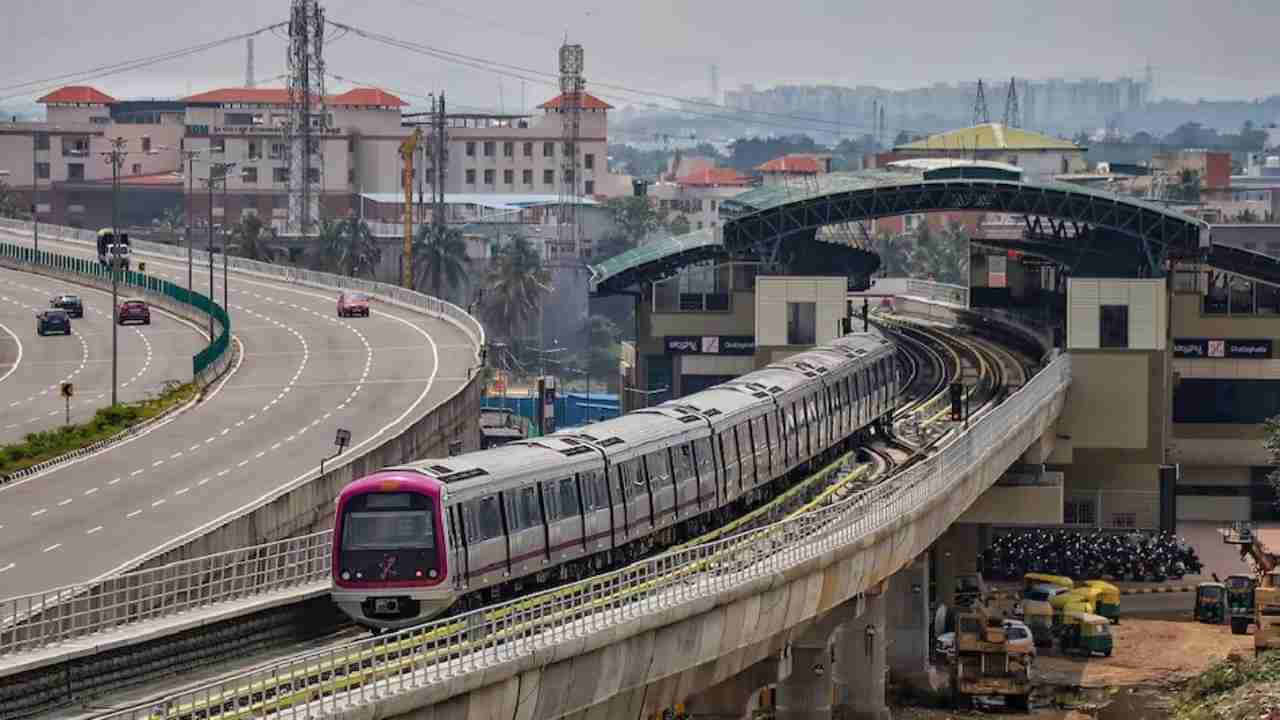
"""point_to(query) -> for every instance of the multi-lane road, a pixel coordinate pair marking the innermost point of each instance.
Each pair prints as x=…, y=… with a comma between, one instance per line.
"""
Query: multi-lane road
x=303, y=373
x=34, y=367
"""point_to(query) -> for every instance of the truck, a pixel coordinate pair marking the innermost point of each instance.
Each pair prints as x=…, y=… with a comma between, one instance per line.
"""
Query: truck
x=112, y=244
x=986, y=664
x=1266, y=593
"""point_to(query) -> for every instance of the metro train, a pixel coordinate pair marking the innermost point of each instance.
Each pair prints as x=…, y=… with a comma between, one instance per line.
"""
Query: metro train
x=413, y=541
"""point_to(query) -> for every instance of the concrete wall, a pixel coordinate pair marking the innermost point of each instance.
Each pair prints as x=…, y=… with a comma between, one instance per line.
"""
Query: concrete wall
x=663, y=657
x=774, y=293
x=1146, y=300
x=1018, y=505
x=1109, y=400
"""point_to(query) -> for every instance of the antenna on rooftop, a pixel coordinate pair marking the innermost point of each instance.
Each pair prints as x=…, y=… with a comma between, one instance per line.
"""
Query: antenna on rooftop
x=248, y=66
x=1012, y=115
x=980, y=114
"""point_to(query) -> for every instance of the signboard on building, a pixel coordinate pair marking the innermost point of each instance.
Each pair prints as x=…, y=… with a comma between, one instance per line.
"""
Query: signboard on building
x=709, y=344
x=1233, y=348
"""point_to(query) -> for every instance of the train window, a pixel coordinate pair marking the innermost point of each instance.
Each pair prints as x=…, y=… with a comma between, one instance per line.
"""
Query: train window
x=682, y=457
x=593, y=496
x=659, y=469
x=706, y=461
x=568, y=498
x=529, y=509
x=631, y=479
x=551, y=501
x=484, y=520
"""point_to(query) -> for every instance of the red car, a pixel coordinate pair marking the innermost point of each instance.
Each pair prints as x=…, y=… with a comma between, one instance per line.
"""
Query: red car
x=353, y=303
x=133, y=310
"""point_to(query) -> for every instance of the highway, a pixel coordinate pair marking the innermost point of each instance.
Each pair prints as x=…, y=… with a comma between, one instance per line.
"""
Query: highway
x=29, y=396
x=303, y=374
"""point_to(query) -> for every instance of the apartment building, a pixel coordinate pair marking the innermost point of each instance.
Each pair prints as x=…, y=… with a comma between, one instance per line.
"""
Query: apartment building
x=697, y=196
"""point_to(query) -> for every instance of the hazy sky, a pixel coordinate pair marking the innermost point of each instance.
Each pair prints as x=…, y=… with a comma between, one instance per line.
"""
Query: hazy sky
x=1212, y=49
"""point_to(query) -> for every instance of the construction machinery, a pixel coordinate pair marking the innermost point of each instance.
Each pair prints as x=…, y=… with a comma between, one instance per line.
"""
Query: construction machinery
x=985, y=663
x=1266, y=594
x=407, y=150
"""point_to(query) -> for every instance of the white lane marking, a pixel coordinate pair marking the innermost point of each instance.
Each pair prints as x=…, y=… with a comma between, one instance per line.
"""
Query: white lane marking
x=259, y=455
x=39, y=512
x=8, y=567
x=183, y=491
x=93, y=530
x=224, y=472
x=158, y=503
x=65, y=502
x=133, y=514
x=113, y=482
x=276, y=446
x=225, y=431
x=193, y=448
x=176, y=455
x=91, y=491
x=203, y=481
x=242, y=463
x=157, y=463
x=137, y=472
x=16, y=361
x=52, y=547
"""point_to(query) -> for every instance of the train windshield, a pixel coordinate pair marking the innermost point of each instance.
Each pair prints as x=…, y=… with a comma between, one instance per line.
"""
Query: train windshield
x=389, y=521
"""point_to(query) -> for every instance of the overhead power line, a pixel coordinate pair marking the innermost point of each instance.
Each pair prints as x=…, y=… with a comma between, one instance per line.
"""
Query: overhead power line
x=31, y=87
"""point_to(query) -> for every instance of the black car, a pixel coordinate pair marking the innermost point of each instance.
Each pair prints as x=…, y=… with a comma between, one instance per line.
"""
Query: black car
x=53, y=321
x=70, y=303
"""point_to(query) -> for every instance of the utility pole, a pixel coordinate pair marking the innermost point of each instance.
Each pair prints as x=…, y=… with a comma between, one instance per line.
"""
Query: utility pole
x=441, y=167
x=115, y=157
x=191, y=178
x=217, y=173
x=35, y=192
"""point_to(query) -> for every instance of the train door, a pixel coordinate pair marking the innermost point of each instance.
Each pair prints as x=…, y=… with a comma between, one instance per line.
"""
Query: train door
x=525, y=530
x=685, y=480
x=709, y=472
x=661, y=486
x=746, y=455
x=487, y=552
x=596, y=520
x=564, y=519
x=734, y=470
x=635, y=488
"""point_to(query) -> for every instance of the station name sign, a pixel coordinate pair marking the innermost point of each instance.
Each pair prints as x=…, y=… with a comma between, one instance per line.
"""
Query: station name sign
x=1228, y=348
x=710, y=344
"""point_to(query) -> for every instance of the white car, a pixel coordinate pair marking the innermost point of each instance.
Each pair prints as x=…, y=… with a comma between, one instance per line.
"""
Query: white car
x=1016, y=633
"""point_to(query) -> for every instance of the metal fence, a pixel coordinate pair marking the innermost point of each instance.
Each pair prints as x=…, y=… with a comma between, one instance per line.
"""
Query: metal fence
x=131, y=279
x=938, y=292
x=42, y=619
x=285, y=273
x=341, y=678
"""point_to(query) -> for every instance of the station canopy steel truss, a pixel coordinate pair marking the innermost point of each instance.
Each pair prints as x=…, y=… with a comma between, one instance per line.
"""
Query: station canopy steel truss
x=760, y=220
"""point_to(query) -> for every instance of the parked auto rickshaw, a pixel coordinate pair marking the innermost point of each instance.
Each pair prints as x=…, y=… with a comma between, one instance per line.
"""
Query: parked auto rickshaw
x=1210, y=602
x=1080, y=600
x=1084, y=632
x=1240, y=602
x=1108, y=599
x=1037, y=612
x=1030, y=580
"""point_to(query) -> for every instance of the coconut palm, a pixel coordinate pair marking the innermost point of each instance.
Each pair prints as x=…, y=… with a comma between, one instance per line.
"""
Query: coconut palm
x=514, y=289
x=362, y=250
x=329, y=253
x=170, y=224
x=253, y=239
x=440, y=259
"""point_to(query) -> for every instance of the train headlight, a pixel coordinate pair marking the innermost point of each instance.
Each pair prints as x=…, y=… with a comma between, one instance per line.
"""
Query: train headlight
x=417, y=573
x=346, y=575
x=359, y=575
x=433, y=574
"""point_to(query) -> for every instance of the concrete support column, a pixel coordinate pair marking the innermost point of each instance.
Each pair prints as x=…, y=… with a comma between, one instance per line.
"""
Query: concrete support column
x=860, y=646
x=806, y=692
x=956, y=553
x=731, y=699
x=907, y=616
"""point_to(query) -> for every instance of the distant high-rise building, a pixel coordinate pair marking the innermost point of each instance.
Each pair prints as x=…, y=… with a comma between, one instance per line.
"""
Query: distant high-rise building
x=715, y=83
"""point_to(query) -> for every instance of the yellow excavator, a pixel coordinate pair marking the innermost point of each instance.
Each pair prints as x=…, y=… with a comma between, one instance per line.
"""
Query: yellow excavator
x=1266, y=594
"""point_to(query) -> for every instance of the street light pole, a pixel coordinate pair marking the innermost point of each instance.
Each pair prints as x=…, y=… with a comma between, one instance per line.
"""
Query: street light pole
x=217, y=173
x=191, y=178
x=116, y=158
x=35, y=193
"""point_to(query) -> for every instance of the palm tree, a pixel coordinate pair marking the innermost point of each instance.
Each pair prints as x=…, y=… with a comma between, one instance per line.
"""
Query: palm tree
x=170, y=222
x=515, y=286
x=439, y=259
x=252, y=239
x=363, y=252
x=329, y=254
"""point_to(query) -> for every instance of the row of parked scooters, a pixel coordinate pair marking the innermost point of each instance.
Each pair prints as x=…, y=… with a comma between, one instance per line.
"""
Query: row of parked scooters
x=1080, y=555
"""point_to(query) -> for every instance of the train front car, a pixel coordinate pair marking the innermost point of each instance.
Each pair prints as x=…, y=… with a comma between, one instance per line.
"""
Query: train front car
x=390, y=560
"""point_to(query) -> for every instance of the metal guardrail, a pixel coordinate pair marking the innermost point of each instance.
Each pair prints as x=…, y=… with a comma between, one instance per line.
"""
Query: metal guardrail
x=341, y=678
x=938, y=292
x=139, y=281
x=286, y=273
x=38, y=620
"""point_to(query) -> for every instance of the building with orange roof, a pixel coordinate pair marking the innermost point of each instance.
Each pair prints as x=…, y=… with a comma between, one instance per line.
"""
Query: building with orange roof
x=794, y=166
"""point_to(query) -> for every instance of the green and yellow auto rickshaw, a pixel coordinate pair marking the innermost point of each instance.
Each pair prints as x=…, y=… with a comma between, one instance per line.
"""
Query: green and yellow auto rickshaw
x=1108, y=599
x=1037, y=611
x=1211, y=602
x=1086, y=633
x=1030, y=580
x=1240, y=602
x=1079, y=600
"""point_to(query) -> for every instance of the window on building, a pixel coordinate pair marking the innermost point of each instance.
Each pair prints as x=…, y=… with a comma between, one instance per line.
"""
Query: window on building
x=589, y=187
x=589, y=161
x=75, y=171
x=471, y=148
x=249, y=175
x=136, y=169
x=1079, y=512
x=313, y=175
x=42, y=170
x=568, y=177
x=508, y=177
x=351, y=176
x=508, y=149
x=238, y=118
x=277, y=151
x=146, y=144
x=471, y=177
x=699, y=224
x=1113, y=330
x=280, y=175
x=802, y=323
x=526, y=177
x=488, y=177
x=548, y=149
x=713, y=206
x=255, y=150
x=488, y=148
x=548, y=177
x=42, y=141
x=218, y=145
x=528, y=149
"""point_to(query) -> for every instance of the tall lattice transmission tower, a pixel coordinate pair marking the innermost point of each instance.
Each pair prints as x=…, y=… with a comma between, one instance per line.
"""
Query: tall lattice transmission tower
x=308, y=118
x=1012, y=114
x=980, y=114
x=572, y=88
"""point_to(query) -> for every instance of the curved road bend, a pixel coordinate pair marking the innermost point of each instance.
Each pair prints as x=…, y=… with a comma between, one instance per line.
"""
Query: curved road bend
x=30, y=399
x=304, y=374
